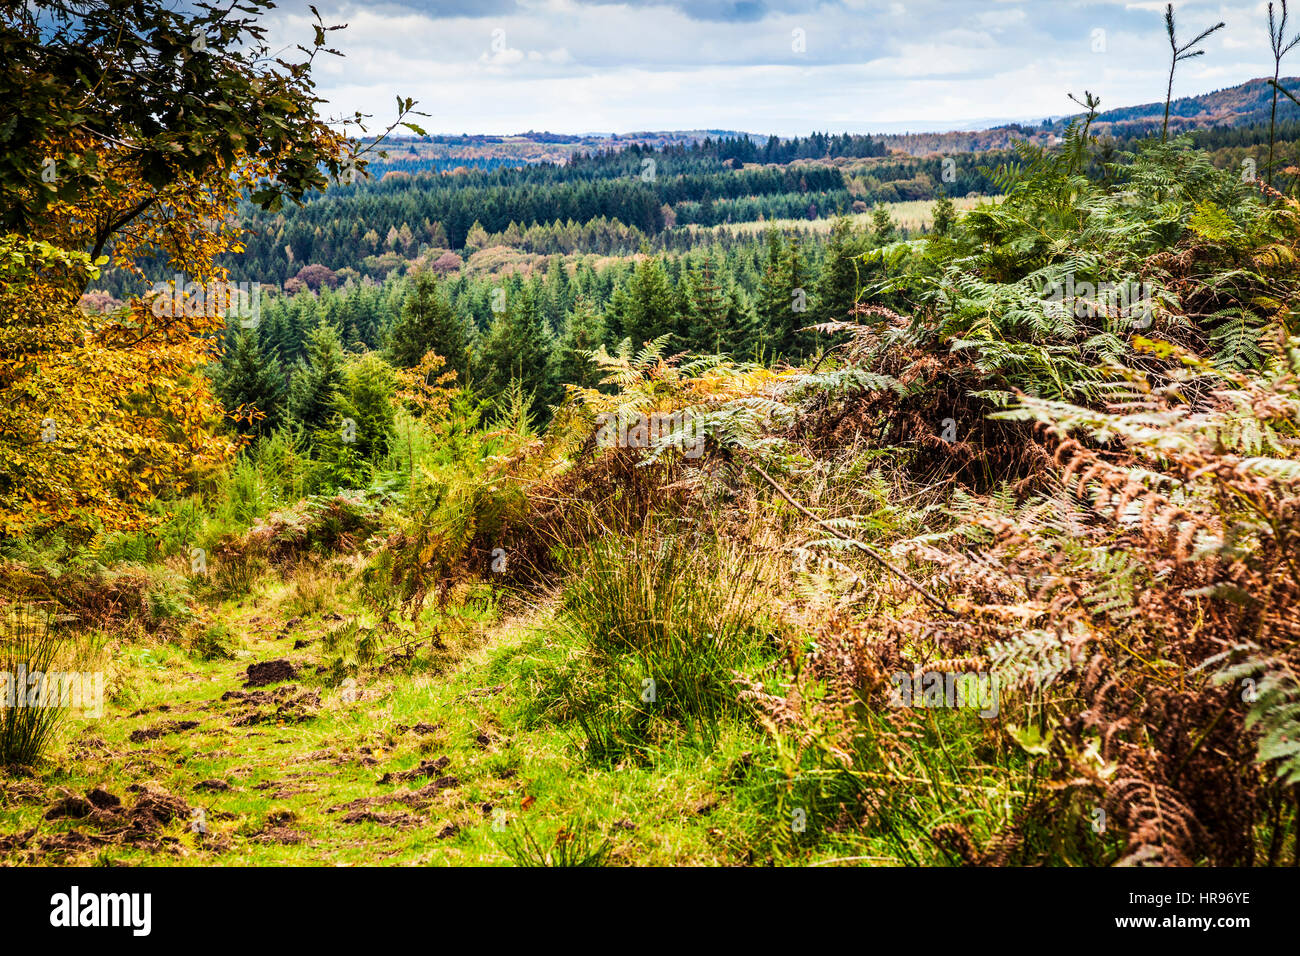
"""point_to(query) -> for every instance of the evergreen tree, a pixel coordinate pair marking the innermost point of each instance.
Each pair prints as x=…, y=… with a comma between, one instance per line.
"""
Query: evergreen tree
x=250, y=378
x=882, y=225
x=643, y=308
x=742, y=338
x=428, y=323
x=945, y=215
x=318, y=381
x=369, y=387
x=840, y=280
x=799, y=287
x=518, y=346
x=584, y=331
x=703, y=324
x=777, y=320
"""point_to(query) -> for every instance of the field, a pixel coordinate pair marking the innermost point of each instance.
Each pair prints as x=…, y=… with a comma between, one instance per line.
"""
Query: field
x=914, y=216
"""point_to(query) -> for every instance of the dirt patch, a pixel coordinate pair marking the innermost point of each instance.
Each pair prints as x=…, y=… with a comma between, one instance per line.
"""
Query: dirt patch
x=140, y=825
x=102, y=799
x=427, y=768
x=160, y=730
x=288, y=792
x=213, y=786
x=155, y=807
x=284, y=836
x=398, y=818
x=284, y=705
x=70, y=808
x=270, y=672
x=16, y=841
x=414, y=798
x=21, y=791
x=279, y=829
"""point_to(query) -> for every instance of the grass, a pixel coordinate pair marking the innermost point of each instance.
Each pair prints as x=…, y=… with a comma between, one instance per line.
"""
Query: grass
x=657, y=624
x=912, y=215
x=29, y=644
x=284, y=778
x=533, y=703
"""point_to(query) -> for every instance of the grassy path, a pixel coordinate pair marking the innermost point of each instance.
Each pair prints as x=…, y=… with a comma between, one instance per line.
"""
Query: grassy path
x=197, y=764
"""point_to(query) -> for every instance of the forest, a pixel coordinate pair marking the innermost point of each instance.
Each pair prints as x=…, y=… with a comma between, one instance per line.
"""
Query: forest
x=676, y=504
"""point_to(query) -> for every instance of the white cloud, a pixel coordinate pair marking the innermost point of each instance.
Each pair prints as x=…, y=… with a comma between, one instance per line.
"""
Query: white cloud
x=578, y=65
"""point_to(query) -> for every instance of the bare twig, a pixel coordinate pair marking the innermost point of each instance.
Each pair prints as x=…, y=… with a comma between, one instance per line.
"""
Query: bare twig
x=866, y=549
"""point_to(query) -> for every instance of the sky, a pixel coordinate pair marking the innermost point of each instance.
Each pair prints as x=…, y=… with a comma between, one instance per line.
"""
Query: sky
x=763, y=66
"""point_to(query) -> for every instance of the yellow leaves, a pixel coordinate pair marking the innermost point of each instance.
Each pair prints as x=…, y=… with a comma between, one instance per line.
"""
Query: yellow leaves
x=125, y=415
x=422, y=388
x=129, y=415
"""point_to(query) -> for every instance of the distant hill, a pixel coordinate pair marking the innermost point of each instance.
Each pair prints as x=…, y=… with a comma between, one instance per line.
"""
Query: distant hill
x=446, y=151
x=1246, y=104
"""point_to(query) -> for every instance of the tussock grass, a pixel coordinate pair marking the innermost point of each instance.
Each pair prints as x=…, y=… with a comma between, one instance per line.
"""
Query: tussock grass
x=31, y=641
x=657, y=625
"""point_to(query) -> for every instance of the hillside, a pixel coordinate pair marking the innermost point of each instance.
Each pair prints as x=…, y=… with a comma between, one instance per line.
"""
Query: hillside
x=663, y=500
x=1246, y=104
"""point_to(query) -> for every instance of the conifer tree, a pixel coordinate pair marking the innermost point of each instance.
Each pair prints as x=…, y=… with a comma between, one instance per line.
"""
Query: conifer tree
x=318, y=381
x=775, y=299
x=643, y=307
x=518, y=346
x=704, y=321
x=882, y=225
x=247, y=377
x=428, y=323
x=840, y=281
x=584, y=331
x=945, y=215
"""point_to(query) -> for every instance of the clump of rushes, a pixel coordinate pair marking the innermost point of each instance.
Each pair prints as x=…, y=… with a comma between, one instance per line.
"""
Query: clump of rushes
x=30, y=642
x=658, y=624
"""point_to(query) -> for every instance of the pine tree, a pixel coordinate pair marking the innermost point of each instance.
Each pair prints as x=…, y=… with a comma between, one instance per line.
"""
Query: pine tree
x=776, y=324
x=518, y=346
x=428, y=323
x=945, y=215
x=584, y=331
x=247, y=377
x=318, y=381
x=643, y=308
x=799, y=286
x=742, y=339
x=704, y=321
x=839, y=284
x=369, y=385
x=882, y=225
